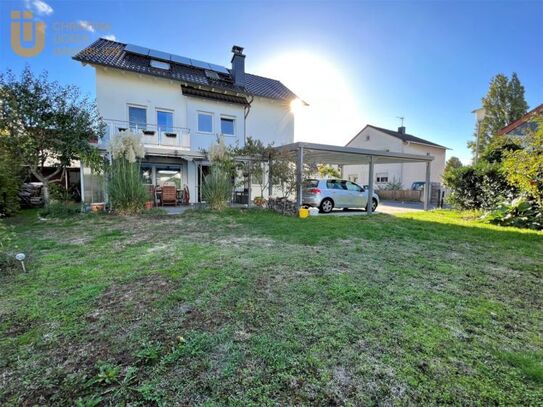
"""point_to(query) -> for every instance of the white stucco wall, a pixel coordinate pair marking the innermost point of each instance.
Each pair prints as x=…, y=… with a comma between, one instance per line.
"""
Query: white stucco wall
x=270, y=121
x=406, y=173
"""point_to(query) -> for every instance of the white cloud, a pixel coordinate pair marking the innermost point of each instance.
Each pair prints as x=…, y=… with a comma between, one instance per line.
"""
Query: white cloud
x=86, y=25
x=40, y=7
x=110, y=37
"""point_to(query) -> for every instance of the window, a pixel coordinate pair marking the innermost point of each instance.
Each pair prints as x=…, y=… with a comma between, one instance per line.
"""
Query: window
x=137, y=117
x=353, y=187
x=160, y=64
x=164, y=121
x=382, y=177
x=227, y=126
x=205, y=122
x=335, y=184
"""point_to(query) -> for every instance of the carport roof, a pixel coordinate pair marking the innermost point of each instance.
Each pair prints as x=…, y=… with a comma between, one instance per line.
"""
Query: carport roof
x=328, y=154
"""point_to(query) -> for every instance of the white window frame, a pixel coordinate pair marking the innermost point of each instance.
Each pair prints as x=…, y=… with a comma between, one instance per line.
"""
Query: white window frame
x=234, y=120
x=144, y=107
x=381, y=175
x=198, y=113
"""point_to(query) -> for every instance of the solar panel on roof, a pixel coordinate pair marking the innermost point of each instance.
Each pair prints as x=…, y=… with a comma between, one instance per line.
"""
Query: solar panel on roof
x=219, y=68
x=200, y=64
x=181, y=60
x=159, y=55
x=136, y=49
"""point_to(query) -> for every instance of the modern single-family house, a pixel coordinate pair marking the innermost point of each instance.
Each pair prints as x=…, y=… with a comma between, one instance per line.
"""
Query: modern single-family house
x=180, y=106
x=377, y=138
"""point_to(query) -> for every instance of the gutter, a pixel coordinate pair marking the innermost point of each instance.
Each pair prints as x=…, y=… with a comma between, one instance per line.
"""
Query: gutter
x=247, y=110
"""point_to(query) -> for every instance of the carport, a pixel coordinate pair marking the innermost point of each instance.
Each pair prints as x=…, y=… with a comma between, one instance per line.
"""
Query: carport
x=336, y=155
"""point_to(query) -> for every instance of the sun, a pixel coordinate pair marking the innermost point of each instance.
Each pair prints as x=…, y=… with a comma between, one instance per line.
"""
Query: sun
x=332, y=113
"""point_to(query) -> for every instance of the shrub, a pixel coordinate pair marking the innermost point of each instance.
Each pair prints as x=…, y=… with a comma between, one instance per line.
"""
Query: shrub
x=10, y=183
x=524, y=167
x=477, y=187
x=60, y=210
x=7, y=250
x=217, y=188
x=519, y=212
x=127, y=192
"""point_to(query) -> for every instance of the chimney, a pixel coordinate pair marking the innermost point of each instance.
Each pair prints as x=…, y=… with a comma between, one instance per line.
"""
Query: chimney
x=238, y=66
x=401, y=130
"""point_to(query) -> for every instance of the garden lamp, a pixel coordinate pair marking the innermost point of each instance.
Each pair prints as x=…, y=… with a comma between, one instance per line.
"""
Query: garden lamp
x=21, y=257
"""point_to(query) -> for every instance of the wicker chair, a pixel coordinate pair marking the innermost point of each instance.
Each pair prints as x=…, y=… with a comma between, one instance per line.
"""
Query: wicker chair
x=169, y=195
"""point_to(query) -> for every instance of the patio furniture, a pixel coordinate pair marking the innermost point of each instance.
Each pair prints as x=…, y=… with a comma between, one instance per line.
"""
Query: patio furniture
x=169, y=195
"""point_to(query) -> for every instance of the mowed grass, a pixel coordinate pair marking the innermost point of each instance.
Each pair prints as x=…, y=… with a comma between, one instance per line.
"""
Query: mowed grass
x=251, y=308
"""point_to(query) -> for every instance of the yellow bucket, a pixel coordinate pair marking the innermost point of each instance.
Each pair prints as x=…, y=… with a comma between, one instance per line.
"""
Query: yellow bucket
x=303, y=213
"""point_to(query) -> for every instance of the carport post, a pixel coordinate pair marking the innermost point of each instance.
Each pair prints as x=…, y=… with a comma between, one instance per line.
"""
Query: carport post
x=370, y=186
x=299, y=176
x=427, y=187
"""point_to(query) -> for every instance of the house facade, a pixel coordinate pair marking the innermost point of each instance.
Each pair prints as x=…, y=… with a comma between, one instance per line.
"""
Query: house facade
x=377, y=138
x=522, y=126
x=180, y=106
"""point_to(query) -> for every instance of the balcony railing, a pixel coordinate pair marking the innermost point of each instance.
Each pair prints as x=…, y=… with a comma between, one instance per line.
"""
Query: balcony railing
x=177, y=138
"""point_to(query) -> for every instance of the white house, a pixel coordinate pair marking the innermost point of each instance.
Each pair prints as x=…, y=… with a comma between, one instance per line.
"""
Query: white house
x=180, y=106
x=377, y=138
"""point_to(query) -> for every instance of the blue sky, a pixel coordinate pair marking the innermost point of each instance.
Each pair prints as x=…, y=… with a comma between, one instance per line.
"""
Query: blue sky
x=354, y=62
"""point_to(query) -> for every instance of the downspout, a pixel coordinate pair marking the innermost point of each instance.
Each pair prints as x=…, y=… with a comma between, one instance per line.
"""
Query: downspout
x=247, y=110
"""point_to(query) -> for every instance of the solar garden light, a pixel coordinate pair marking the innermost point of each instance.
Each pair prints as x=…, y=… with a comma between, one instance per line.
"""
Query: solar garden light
x=21, y=257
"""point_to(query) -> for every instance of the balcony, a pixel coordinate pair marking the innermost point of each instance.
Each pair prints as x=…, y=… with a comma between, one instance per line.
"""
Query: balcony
x=152, y=136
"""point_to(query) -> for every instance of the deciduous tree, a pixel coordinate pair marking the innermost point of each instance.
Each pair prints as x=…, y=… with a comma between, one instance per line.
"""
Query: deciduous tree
x=46, y=124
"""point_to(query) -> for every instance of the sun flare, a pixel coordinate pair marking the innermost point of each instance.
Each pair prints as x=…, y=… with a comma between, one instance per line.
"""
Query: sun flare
x=332, y=115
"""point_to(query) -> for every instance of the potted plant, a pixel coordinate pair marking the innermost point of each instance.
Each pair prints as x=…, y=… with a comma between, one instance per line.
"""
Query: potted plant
x=259, y=201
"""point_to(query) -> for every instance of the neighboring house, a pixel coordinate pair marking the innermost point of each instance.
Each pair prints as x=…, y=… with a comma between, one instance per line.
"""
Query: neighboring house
x=377, y=138
x=180, y=106
x=521, y=126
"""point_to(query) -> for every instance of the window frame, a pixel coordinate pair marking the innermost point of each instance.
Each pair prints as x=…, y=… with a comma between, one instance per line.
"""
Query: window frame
x=231, y=118
x=198, y=113
x=379, y=178
x=135, y=106
x=160, y=110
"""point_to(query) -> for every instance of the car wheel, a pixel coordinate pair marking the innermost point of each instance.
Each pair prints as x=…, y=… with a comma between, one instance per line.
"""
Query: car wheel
x=373, y=205
x=327, y=205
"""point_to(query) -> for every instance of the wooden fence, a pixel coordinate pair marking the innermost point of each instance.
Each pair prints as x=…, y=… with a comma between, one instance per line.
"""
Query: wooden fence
x=400, y=195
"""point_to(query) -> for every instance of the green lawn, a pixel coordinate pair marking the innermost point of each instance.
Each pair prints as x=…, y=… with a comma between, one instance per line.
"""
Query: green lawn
x=253, y=308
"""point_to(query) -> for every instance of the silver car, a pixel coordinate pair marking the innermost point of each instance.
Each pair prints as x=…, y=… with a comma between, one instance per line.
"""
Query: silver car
x=328, y=194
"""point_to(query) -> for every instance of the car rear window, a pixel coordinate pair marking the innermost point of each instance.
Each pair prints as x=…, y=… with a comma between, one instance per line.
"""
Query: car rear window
x=311, y=183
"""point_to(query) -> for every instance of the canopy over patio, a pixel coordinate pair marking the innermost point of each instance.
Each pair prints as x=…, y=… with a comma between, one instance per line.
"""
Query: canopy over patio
x=328, y=154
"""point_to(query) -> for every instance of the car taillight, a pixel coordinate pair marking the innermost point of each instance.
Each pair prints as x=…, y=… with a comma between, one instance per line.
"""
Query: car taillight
x=315, y=190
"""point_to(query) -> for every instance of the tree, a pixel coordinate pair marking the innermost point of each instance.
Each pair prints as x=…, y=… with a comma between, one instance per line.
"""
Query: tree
x=452, y=163
x=326, y=170
x=524, y=167
x=257, y=155
x=504, y=103
x=45, y=124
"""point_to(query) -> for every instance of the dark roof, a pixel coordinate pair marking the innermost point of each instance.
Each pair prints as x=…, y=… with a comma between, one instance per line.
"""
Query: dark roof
x=402, y=136
x=527, y=117
x=112, y=54
x=191, y=91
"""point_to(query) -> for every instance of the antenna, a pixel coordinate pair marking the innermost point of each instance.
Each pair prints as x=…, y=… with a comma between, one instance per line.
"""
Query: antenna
x=401, y=118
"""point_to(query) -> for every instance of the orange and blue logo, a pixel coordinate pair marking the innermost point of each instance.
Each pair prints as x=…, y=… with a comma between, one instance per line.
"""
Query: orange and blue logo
x=27, y=36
